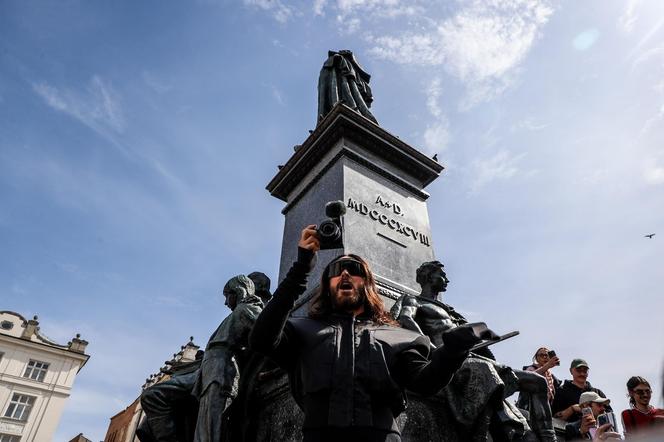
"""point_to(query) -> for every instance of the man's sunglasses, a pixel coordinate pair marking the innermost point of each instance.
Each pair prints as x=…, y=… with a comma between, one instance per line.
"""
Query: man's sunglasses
x=353, y=267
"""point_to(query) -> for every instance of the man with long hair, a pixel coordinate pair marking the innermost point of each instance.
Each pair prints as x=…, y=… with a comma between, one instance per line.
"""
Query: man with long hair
x=348, y=362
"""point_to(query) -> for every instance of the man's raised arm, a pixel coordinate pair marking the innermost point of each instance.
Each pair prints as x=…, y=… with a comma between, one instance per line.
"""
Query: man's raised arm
x=267, y=336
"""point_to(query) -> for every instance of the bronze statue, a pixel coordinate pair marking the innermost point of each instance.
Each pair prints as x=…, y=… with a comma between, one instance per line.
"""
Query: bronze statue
x=262, y=285
x=428, y=315
x=217, y=381
x=342, y=79
x=425, y=314
x=170, y=409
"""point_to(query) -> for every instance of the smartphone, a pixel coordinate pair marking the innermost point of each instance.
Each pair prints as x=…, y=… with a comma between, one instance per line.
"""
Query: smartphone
x=606, y=418
x=602, y=419
x=586, y=410
x=552, y=354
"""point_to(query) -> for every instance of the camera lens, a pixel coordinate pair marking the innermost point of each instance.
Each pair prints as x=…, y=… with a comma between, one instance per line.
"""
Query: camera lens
x=329, y=231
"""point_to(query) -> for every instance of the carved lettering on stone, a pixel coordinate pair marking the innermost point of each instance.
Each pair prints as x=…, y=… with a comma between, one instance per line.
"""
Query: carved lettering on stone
x=388, y=221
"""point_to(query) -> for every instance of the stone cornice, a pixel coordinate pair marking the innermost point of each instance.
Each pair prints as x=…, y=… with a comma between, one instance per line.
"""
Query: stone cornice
x=82, y=357
x=343, y=122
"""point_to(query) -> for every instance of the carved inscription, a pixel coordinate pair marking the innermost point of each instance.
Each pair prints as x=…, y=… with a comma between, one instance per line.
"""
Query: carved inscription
x=393, y=224
x=389, y=205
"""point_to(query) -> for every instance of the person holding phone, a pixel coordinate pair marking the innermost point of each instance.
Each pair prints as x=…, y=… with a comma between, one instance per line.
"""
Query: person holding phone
x=543, y=361
x=641, y=415
x=592, y=405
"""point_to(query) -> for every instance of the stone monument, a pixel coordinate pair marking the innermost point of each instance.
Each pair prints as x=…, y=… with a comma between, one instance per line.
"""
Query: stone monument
x=381, y=179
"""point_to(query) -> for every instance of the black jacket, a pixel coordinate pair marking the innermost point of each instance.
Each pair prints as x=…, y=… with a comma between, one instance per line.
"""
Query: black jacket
x=347, y=372
x=569, y=394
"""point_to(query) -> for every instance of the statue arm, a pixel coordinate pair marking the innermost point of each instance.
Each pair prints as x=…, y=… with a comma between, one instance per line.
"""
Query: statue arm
x=269, y=335
x=407, y=314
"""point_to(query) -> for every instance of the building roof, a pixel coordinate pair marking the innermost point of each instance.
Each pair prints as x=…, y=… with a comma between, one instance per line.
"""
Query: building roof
x=80, y=438
x=15, y=326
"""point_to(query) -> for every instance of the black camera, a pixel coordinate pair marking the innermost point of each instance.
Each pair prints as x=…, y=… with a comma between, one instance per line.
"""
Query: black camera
x=330, y=231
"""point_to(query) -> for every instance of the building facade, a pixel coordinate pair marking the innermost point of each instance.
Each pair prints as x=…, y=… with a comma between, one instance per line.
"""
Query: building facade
x=36, y=378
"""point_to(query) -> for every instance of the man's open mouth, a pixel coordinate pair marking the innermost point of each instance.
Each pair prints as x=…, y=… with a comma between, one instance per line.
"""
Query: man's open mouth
x=345, y=285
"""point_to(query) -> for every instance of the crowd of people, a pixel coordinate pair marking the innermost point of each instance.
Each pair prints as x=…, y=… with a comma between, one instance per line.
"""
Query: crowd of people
x=350, y=363
x=586, y=412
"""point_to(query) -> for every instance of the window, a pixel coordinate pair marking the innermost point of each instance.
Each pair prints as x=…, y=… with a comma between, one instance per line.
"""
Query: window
x=9, y=438
x=20, y=406
x=36, y=370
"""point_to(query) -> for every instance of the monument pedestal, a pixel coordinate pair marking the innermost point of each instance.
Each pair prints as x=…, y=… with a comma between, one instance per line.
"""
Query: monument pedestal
x=380, y=179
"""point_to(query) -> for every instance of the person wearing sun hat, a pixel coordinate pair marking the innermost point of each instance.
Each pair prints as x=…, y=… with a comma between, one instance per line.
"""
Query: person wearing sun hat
x=583, y=428
x=566, y=400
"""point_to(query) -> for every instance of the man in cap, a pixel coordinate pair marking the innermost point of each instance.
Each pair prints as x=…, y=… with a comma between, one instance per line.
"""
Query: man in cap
x=582, y=429
x=566, y=401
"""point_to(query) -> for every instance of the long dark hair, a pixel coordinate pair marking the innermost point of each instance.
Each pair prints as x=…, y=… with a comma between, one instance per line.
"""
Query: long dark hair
x=632, y=383
x=321, y=303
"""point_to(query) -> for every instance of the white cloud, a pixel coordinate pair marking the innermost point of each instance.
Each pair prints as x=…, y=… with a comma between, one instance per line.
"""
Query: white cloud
x=529, y=124
x=278, y=95
x=349, y=25
x=652, y=121
x=437, y=134
x=279, y=11
x=97, y=106
x=319, y=7
x=434, y=92
x=501, y=166
x=653, y=173
x=351, y=14
x=481, y=44
x=154, y=83
x=628, y=18
x=379, y=8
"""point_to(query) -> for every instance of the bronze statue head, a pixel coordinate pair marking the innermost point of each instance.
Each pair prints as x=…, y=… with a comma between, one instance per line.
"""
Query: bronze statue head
x=262, y=285
x=431, y=274
x=237, y=289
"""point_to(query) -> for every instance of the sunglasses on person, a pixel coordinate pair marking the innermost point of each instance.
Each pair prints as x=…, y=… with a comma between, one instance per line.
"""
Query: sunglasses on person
x=641, y=392
x=352, y=266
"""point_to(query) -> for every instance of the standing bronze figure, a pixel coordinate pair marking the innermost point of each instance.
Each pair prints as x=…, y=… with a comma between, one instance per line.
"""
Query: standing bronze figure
x=217, y=382
x=342, y=79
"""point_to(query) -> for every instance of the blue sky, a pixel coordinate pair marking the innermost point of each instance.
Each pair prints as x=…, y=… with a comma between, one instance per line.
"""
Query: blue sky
x=136, y=139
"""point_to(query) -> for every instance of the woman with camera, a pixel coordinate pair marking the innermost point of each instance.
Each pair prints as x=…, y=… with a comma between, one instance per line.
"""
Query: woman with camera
x=543, y=361
x=641, y=415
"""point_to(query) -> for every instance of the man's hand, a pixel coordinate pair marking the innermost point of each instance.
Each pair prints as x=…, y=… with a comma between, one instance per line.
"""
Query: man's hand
x=587, y=422
x=309, y=239
x=604, y=432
